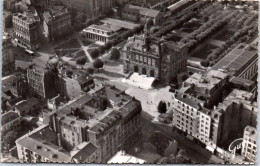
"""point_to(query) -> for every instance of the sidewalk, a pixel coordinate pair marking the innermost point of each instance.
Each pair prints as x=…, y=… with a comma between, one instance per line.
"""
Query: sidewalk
x=85, y=49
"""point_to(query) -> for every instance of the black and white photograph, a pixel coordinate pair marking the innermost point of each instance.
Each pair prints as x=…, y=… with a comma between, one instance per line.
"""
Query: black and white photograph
x=129, y=81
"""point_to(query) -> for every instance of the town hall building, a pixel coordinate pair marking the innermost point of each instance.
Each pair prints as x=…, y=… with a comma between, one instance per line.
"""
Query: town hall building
x=154, y=58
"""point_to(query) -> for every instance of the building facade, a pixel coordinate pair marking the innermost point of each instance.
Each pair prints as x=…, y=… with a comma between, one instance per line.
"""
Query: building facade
x=249, y=146
x=8, y=61
x=152, y=58
x=26, y=30
x=140, y=14
x=102, y=33
x=90, y=129
x=57, y=22
x=41, y=82
x=10, y=121
x=92, y=8
x=216, y=123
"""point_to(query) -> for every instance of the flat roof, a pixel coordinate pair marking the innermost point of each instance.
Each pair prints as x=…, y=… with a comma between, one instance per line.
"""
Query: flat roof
x=104, y=27
x=141, y=10
x=120, y=23
x=178, y=4
x=237, y=58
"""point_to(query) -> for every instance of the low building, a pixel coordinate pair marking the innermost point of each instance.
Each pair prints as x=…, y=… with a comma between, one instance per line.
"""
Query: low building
x=249, y=145
x=102, y=33
x=10, y=121
x=56, y=22
x=25, y=28
x=27, y=106
x=15, y=85
x=140, y=14
x=241, y=61
x=122, y=158
x=76, y=86
x=8, y=61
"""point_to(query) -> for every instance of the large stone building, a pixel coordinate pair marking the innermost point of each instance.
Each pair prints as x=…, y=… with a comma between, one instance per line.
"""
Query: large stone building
x=8, y=61
x=141, y=14
x=41, y=82
x=57, y=22
x=101, y=33
x=241, y=62
x=249, y=145
x=94, y=127
x=153, y=58
x=91, y=8
x=25, y=28
x=214, y=126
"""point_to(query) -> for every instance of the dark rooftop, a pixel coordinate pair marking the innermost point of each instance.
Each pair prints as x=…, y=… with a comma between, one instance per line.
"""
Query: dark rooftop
x=9, y=116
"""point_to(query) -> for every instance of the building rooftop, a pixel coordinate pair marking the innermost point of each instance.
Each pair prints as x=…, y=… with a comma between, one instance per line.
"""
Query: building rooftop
x=83, y=151
x=27, y=17
x=37, y=69
x=122, y=158
x=9, y=116
x=142, y=11
x=27, y=104
x=105, y=27
x=120, y=23
x=189, y=100
x=206, y=81
x=237, y=59
x=44, y=141
x=54, y=13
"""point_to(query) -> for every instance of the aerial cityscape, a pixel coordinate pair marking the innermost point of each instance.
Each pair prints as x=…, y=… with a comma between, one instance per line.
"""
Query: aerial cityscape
x=129, y=81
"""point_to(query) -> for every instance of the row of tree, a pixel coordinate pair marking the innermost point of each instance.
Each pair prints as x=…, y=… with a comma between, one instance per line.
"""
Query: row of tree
x=205, y=30
x=239, y=37
x=189, y=13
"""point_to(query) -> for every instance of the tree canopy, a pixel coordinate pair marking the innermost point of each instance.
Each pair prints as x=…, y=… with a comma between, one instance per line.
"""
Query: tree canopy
x=115, y=54
x=98, y=64
x=162, y=107
x=81, y=60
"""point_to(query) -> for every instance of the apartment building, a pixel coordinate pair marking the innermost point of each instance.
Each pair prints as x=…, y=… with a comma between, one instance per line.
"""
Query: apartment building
x=57, y=22
x=92, y=128
x=249, y=145
x=215, y=123
x=41, y=82
x=25, y=28
x=8, y=61
x=10, y=121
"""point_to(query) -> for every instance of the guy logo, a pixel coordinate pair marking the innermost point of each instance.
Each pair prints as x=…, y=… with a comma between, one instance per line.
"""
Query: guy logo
x=235, y=145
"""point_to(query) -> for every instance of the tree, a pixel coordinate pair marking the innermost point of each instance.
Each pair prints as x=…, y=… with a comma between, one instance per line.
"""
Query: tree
x=101, y=49
x=98, y=64
x=162, y=107
x=9, y=139
x=150, y=23
x=81, y=60
x=94, y=54
x=90, y=70
x=205, y=63
x=115, y=54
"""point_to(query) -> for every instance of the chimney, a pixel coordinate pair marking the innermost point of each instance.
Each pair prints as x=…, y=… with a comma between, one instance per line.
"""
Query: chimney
x=59, y=140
